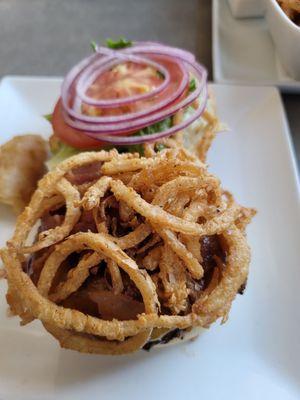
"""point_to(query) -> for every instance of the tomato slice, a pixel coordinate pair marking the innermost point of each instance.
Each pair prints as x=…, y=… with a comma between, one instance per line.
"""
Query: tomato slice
x=71, y=136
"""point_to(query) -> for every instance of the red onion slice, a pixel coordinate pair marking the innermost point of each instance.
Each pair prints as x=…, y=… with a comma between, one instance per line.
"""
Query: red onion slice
x=126, y=140
x=161, y=49
x=84, y=84
x=137, y=123
x=107, y=128
x=73, y=115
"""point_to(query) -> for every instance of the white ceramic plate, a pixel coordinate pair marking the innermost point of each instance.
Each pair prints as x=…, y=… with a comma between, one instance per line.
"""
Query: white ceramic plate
x=256, y=354
x=243, y=51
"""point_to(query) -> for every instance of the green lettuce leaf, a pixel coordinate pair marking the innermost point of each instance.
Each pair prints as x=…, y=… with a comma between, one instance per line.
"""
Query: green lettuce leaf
x=64, y=151
x=155, y=128
x=120, y=43
x=48, y=117
x=192, y=85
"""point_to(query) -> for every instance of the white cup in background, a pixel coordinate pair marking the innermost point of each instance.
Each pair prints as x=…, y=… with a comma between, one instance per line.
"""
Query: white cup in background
x=247, y=8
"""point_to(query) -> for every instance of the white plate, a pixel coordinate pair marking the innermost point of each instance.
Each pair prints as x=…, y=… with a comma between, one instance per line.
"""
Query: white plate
x=256, y=355
x=243, y=51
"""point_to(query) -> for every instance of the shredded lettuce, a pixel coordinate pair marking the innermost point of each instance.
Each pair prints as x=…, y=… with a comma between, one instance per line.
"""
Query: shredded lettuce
x=149, y=130
x=131, y=148
x=120, y=43
x=48, y=117
x=160, y=75
x=192, y=85
x=155, y=128
x=160, y=147
x=63, y=152
x=93, y=45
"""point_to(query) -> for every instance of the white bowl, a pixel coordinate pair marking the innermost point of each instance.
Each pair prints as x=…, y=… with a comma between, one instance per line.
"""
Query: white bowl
x=286, y=37
x=247, y=8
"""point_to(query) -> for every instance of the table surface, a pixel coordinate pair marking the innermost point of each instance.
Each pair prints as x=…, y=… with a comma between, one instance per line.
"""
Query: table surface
x=46, y=37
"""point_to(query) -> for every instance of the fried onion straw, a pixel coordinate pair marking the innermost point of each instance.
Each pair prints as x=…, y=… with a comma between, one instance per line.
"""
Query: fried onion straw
x=153, y=243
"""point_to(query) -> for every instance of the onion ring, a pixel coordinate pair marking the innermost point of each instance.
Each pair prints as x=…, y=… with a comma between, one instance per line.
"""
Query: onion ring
x=149, y=234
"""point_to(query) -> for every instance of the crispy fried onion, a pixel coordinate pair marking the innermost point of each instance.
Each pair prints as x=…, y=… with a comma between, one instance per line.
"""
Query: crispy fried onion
x=138, y=245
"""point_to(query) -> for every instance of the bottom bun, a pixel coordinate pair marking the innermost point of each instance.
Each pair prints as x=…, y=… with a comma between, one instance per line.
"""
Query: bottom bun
x=165, y=338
